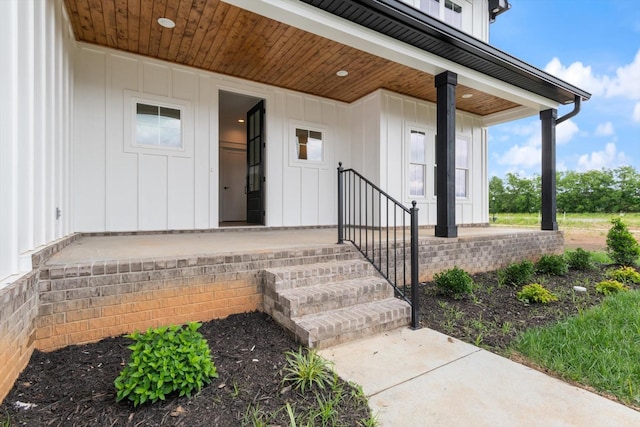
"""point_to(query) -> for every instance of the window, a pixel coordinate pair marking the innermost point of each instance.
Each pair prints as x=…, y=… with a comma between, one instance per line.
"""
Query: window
x=417, y=164
x=462, y=168
x=158, y=126
x=309, y=145
x=453, y=14
x=445, y=10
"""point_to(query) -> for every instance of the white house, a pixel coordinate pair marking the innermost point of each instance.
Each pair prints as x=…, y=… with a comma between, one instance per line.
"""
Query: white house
x=124, y=117
x=110, y=122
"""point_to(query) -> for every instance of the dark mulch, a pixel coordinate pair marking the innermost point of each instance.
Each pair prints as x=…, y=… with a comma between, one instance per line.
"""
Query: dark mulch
x=493, y=316
x=73, y=386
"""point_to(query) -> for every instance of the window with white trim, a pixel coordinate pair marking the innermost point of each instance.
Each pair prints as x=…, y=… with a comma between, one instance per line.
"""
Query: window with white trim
x=446, y=10
x=462, y=168
x=309, y=145
x=417, y=164
x=158, y=126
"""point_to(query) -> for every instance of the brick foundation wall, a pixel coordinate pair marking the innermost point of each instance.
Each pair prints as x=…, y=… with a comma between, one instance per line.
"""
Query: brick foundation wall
x=18, y=310
x=59, y=305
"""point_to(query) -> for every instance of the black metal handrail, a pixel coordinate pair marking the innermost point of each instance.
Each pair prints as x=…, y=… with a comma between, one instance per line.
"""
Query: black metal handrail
x=365, y=209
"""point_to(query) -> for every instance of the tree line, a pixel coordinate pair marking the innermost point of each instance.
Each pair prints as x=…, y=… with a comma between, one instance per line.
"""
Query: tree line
x=606, y=190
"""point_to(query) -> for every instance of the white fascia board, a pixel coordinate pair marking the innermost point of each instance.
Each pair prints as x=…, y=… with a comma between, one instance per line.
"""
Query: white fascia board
x=324, y=24
x=508, y=115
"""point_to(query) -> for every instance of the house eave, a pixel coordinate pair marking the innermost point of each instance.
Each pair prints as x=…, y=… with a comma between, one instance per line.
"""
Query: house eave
x=409, y=25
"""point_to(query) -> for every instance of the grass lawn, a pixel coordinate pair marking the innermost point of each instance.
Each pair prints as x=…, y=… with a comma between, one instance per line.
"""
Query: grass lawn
x=600, y=347
x=594, y=221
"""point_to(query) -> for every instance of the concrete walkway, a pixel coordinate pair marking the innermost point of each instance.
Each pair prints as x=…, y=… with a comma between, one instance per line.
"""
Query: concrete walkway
x=424, y=378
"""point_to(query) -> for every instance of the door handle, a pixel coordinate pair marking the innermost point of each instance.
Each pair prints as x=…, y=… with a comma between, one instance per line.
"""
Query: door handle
x=226, y=188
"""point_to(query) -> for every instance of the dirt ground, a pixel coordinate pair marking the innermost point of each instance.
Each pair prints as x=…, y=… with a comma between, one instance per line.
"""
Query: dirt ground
x=589, y=239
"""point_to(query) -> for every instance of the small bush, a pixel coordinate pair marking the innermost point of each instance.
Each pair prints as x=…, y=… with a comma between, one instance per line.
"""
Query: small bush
x=622, y=247
x=454, y=282
x=552, y=264
x=307, y=370
x=626, y=275
x=579, y=259
x=516, y=274
x=164, y=360
x=608, y=287
x=536, y=293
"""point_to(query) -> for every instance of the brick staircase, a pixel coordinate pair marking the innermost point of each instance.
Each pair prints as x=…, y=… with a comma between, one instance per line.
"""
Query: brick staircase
x=329, y=303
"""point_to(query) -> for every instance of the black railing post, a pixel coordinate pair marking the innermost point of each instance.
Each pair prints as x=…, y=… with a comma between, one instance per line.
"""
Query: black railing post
x=415, y=304
x=340, y=204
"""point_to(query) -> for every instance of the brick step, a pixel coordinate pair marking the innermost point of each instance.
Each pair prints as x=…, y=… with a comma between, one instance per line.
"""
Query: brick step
x=331, y=296
x=345, y=324
x=296, y=276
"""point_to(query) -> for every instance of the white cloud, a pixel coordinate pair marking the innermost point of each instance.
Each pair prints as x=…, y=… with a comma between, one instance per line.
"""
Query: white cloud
x=565, y=131
x=627, y=80
x=624, y=83
x=579, y=75
x=608, y=158
x=604, y=129
x=636, y=113
x=528, y=154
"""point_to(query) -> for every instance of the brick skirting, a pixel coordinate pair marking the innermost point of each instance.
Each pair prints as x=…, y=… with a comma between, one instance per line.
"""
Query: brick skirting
x=55, y=306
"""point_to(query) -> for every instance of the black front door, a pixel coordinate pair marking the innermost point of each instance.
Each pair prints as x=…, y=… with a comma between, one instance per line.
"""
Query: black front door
x=255, y=164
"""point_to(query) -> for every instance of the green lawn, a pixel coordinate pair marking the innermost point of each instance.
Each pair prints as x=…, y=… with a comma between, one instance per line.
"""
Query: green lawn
x=599, y=348
x=567, y=221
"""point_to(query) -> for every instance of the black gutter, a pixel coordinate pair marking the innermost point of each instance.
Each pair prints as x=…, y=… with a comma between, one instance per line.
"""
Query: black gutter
x=450, y=43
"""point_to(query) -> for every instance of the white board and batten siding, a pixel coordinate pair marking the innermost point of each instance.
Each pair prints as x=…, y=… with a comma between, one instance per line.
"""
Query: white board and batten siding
x=36, y=119
x=396, y=116
x=120, y=189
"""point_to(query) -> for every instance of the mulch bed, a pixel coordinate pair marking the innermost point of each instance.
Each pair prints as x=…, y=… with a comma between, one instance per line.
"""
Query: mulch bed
x=73, y=386
x=493, y=316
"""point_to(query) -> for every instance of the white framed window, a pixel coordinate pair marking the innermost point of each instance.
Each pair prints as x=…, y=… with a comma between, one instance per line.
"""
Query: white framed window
x=417, y=164
x=308, y=144
x=157, y=125
x=445, y=10
x=462, y=168
x=419, y=160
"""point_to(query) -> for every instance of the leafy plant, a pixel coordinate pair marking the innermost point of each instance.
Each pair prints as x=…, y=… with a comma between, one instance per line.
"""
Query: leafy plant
x=454, y=282
x=579, y=259
x=608, y=287
x=307, y=370
x=626, y=275
x=536, y=293
x=552, y=264
x=516, y=274
x=164, y=360
x=622, y=247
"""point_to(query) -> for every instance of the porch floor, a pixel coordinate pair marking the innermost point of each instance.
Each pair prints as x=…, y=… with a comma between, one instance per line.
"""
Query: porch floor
x=88, y=249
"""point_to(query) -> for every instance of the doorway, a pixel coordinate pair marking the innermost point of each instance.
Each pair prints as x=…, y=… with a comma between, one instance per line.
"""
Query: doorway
x=241, y=171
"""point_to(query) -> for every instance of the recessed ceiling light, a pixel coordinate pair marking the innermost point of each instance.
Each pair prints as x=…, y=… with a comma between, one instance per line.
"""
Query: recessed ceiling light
x=166, y=22
x=342, y=73
x=240, y=120
x=467, y=95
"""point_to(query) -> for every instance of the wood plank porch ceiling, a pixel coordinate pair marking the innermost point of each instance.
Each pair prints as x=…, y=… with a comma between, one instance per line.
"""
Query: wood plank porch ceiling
x=215, y=36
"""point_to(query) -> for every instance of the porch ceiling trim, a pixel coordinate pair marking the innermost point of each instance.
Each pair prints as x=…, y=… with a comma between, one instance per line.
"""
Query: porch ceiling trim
x=408, y=25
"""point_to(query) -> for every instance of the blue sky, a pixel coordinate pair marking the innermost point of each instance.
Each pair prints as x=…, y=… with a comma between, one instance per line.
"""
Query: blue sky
x=593, y=44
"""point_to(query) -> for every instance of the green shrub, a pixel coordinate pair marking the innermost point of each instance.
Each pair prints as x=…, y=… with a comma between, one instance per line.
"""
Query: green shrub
x=516, y=274
x=306, y=370
x=626, y=275
x=535, y=292
x=579, y=259
x=164, y=360
x=608, y=287
x=552, y=264
x=454, y=282
x=622, y=247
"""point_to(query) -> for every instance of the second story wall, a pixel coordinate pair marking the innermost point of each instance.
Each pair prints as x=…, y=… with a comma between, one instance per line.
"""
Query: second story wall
x=470, y=16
